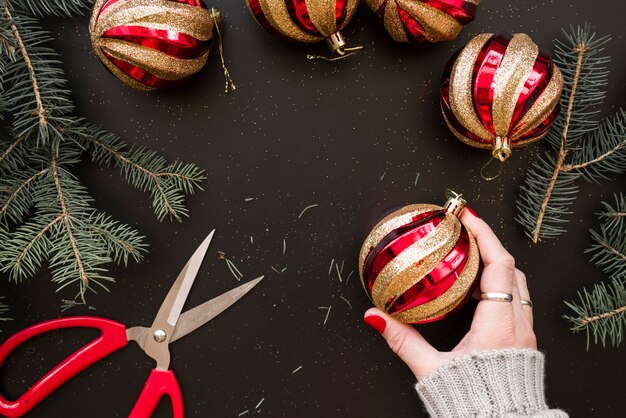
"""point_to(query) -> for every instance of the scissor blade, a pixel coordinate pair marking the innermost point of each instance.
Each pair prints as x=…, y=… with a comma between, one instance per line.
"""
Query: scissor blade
x=194, y=318
x=173, y=303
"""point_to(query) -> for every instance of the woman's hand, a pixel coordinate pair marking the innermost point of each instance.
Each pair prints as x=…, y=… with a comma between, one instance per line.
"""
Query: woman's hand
x=496, y=325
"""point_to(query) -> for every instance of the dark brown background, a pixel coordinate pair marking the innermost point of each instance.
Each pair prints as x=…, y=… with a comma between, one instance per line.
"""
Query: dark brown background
x=351, y=137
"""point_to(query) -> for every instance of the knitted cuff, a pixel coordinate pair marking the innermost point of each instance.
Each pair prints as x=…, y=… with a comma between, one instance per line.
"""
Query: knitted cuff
x=494, y=383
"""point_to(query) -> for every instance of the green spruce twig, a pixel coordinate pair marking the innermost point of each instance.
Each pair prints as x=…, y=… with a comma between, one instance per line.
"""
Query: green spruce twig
x=582, y=147
x=601, y=312
x=46, y=215
x=608, y=251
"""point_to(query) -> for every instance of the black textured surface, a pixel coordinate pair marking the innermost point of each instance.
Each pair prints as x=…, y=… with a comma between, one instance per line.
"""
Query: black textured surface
x=350, y=137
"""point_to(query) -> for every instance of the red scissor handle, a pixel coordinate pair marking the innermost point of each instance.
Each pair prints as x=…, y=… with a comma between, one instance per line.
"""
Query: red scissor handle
x=159, y=384
x=113, y=338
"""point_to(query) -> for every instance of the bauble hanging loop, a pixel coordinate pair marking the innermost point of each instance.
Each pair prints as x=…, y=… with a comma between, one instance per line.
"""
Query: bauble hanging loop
x=307, y=21
x=420, y=263
x=424, y=22
x=500, y=92
x=152, y=44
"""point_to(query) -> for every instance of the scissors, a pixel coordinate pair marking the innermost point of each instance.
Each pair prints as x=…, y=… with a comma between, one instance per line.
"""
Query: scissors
x=169, y=325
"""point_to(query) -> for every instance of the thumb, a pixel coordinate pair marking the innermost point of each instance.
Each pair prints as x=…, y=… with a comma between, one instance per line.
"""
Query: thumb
x=405, y=341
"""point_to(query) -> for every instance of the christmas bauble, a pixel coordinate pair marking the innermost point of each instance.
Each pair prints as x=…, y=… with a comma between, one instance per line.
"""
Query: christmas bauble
x=500, y=91
x=420, y=263
x=306, y=21
x=424, y=22
x=150, y=44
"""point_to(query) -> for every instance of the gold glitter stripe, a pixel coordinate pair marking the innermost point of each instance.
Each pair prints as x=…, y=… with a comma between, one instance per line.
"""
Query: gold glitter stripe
x=389, y=223
x=161, y=11
x=438, y=243
x=160, y=64
x=374, y=4
x=476, y=2
x=277, y=14
x=125, y=78
x=544, y=105
x=509, y=80
x=452, y=297
x=351, y=7
x=463, y=138
x=526, y=141
x=438, y=26
x=393, y=23
x=461, y=87
x=323, y=16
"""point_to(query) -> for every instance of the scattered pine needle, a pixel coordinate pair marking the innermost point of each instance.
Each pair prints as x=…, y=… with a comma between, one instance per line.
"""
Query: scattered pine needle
x=251, y=240
x=349, y=275
x=247, y=199
x=347, y=301
x=416, y=179
x=307, y=208
x=328, y=308
x=338, y=272
x=243, y=413
x=274, y=268
x=383, y=176
x=259, y=404
x=231, y=266
x=330, y=269
x=296, y=370
x=284, y=246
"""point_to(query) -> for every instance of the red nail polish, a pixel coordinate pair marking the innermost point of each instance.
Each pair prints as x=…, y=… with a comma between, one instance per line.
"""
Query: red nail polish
x=471, y=211
x=376, y=322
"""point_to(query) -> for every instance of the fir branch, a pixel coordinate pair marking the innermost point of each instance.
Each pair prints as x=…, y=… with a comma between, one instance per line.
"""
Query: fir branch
x=67, y=8
x=609, y=249
x=144, y=169
x=601, y=313
x=45, y=212
x=582, y=148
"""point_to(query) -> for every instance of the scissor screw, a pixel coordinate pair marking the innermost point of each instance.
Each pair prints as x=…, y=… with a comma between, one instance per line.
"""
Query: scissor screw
x=160, y=335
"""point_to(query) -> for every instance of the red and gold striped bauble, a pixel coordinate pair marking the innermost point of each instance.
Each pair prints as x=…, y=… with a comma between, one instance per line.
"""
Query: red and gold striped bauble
x=424, y=22
x=305, y=20
x=420, y=263
x=151, y=44
x=500, y=91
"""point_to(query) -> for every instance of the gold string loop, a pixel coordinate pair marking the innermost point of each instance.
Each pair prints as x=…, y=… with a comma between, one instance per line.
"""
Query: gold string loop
x=343, y=54
x=489, y=178
x=216, y=15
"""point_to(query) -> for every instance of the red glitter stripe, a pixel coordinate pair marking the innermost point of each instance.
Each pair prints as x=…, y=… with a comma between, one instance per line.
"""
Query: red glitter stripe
x=485, y=67
x=175, y=44
x=397, y=241
x=142, y=76
x=437, y=281
x=299, y=14
x=340, y=13
x=414, y=31
x=462, y=11
x=534, y=86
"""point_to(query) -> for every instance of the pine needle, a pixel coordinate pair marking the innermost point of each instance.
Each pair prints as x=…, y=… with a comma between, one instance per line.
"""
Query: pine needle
x=307, y=208
x=296, y=370
x=328, y=308
x=346, y=300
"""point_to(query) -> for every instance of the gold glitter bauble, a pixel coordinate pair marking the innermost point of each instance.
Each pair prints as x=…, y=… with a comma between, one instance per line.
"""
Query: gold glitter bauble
x=423, y=22
x=499, y=92
x=306, y=21
x=150, y=44
x=420, y=263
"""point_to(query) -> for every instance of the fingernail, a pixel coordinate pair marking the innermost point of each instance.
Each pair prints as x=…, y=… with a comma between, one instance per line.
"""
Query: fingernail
x=471, y=211
x=376, y=322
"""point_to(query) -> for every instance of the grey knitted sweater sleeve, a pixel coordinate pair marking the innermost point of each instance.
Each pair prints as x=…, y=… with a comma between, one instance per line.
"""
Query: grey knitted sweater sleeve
x=498, y=383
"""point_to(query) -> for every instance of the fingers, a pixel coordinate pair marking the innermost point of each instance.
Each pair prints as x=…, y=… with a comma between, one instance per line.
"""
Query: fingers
x=406, y=342
x=491, y=249
x=524, y=293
